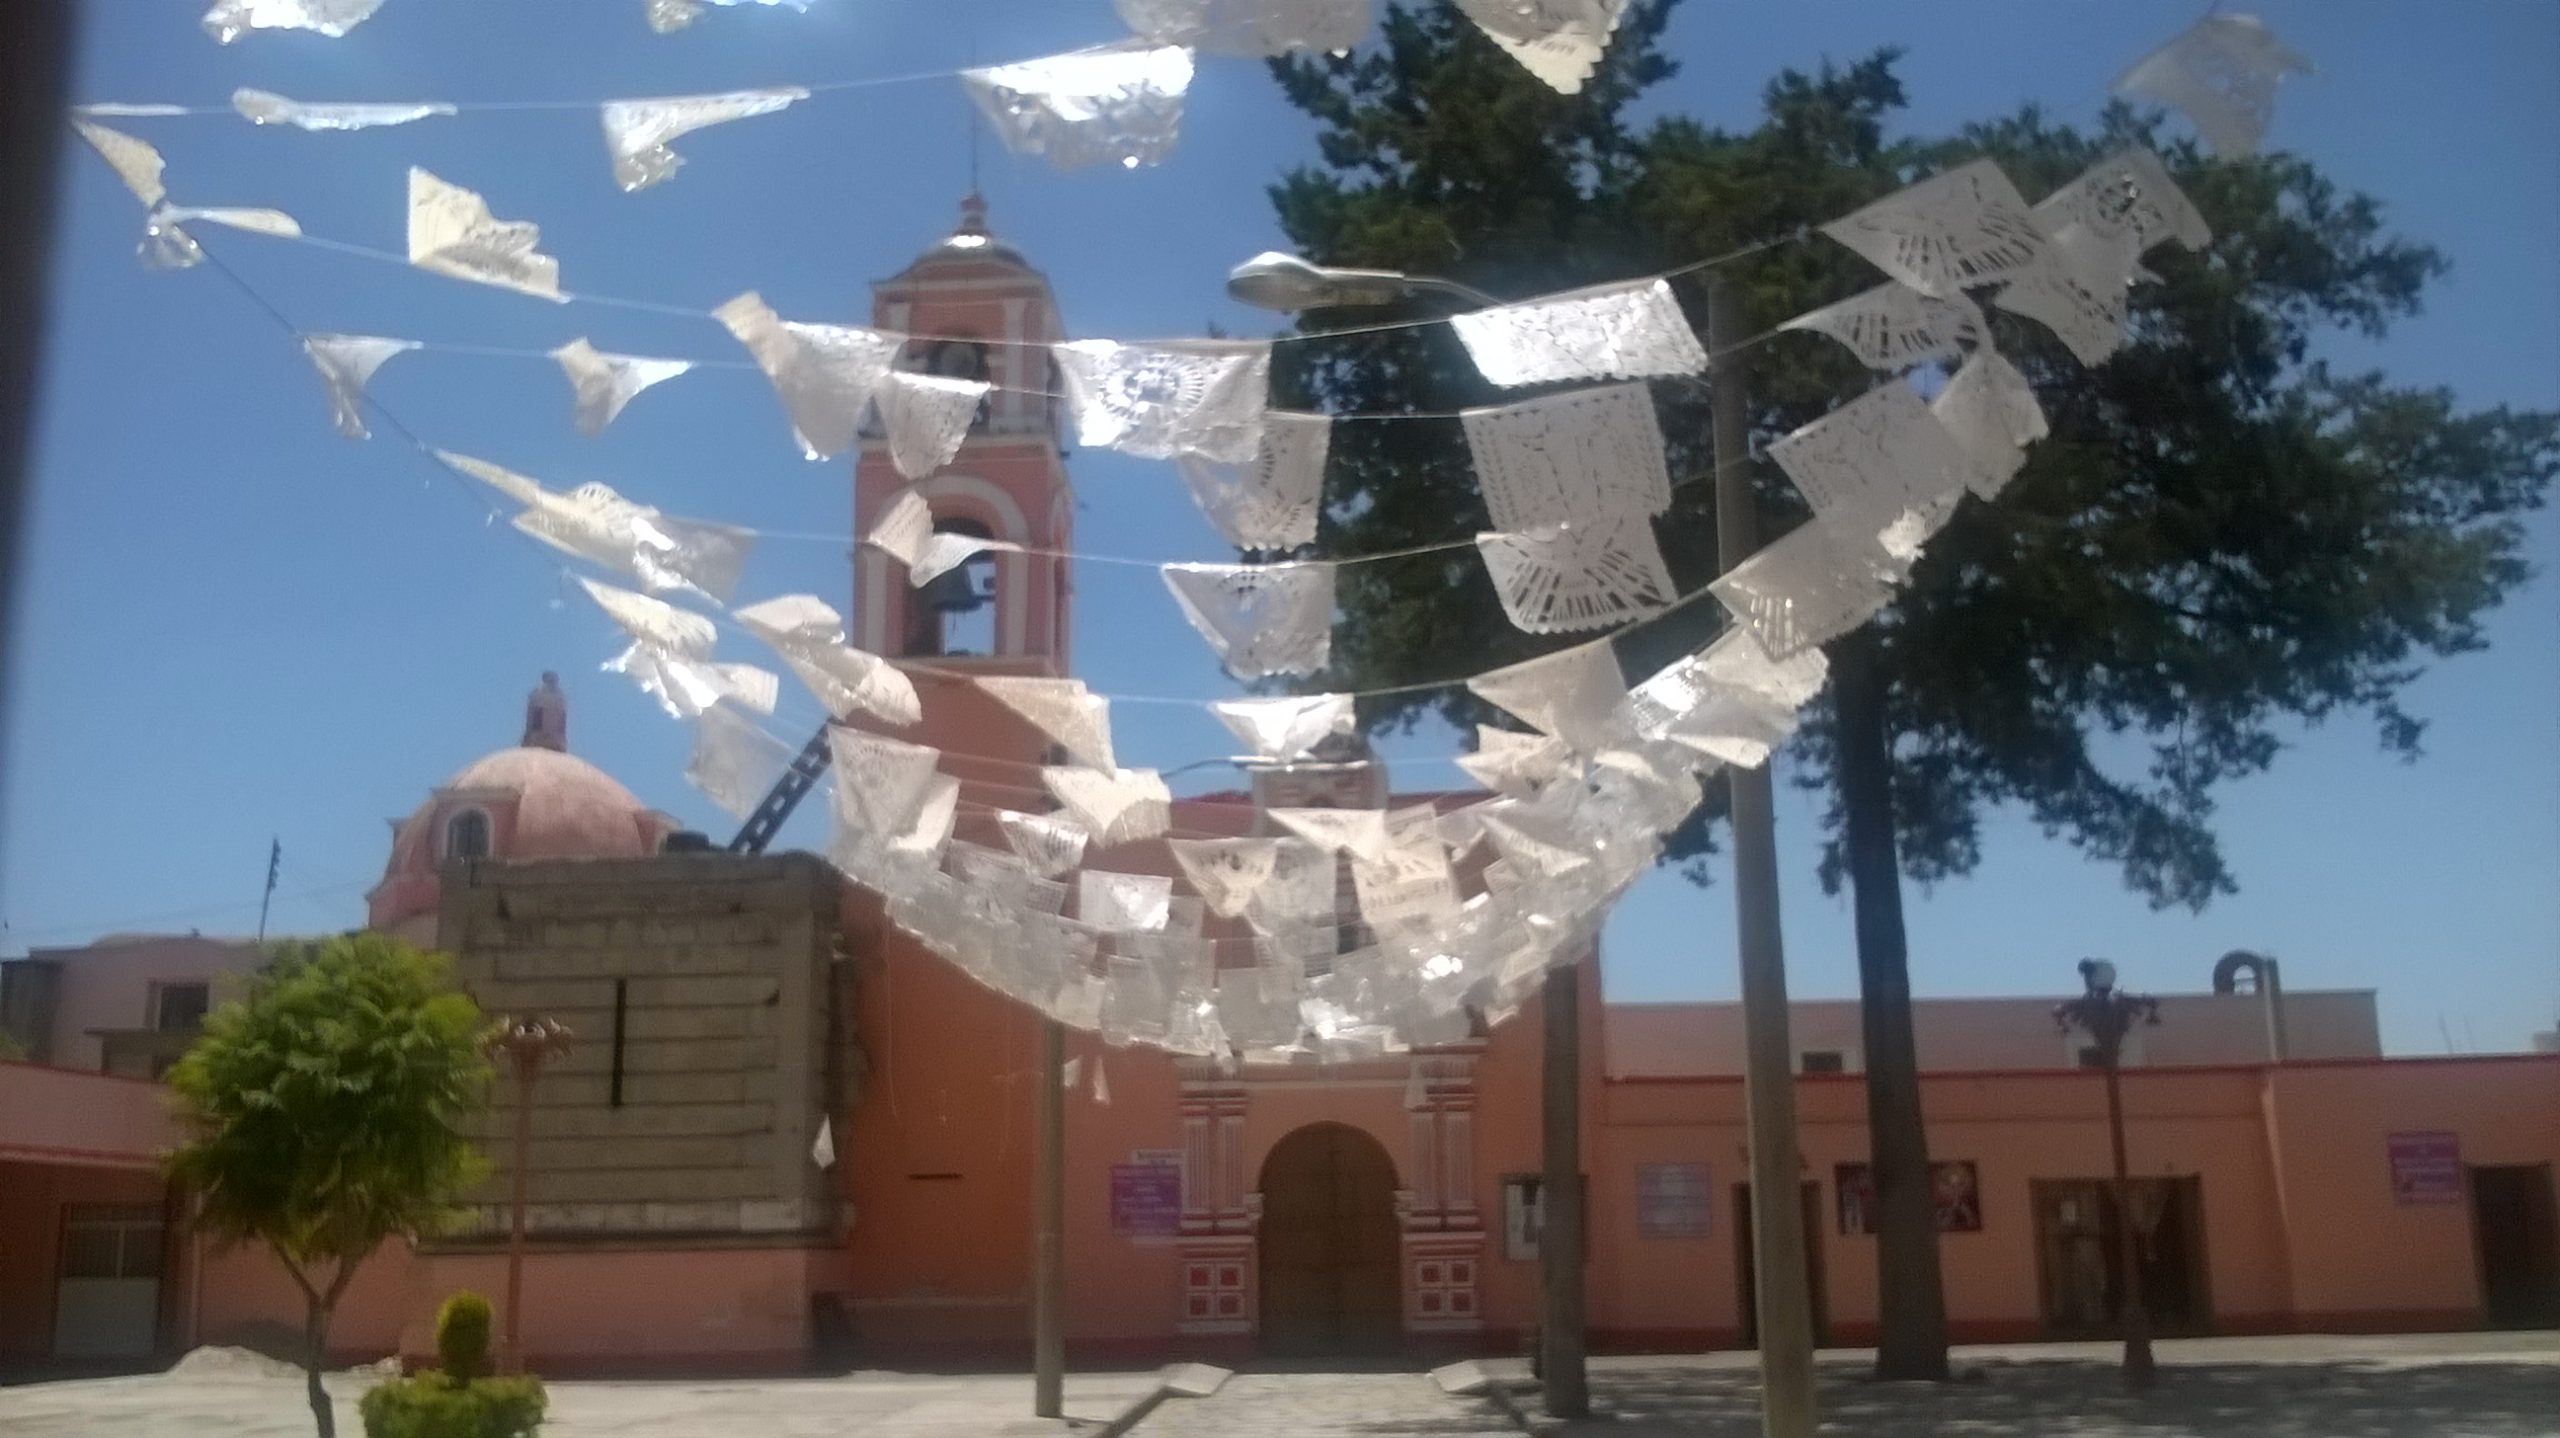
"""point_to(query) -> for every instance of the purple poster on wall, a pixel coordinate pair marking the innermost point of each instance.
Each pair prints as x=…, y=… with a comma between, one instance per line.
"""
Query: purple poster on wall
x=1146, y=1200
x=2426, y=1167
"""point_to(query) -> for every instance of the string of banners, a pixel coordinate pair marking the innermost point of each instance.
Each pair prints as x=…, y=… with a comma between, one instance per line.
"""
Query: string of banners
x=1455, y=906
x=1122, y=102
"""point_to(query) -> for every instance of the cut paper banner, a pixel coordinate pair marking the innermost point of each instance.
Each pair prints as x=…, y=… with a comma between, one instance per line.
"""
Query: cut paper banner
x=905, y=533
x=1880, y=454
x=2222, y=74
x=1408, y=886
x=1117, y=807
x=1510, y=762
x=1730, y=700
x=1048, y=844
x=1619, y=331
x=669, y=657
x=2079, y=289
x=1226, y=873
x=1559, y=41
x=928, y=418
x=1578, y=695
x=668, y=16
x=1286, y=728
x=1361, y=833
x=825, y=374
x=1118, y=103
x=1894, y=327
x=1990, y=410
x=228, y=20
x=1579, y=455
x=595, y=524
x=1589, y=575
x=638, y=132
x=265, y=107
x=1257, y=29
x=1948, y=233
x=1073, y=717
x=882, y=784
x=734, y=763
x=1133, y=903
x=606, y=382
x=1263, y=619
x=165, y=246
x=347, y=364
x=810, y=637
x=1203, y=397
x=136, y=162
x=2128, y=204
x=1270, y=501
x=1815, y=584
x=451, y=232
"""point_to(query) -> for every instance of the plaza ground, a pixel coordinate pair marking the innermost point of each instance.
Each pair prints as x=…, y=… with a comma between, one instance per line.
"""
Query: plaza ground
x=2441, y=1386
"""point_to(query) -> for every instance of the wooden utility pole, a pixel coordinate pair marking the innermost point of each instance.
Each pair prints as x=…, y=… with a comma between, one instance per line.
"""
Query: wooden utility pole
x=1568, y=1390
x=1777, y=1219
x=1049, y=1224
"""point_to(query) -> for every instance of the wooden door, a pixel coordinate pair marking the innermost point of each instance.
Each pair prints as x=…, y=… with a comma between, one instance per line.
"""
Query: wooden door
x=2080, y=1266
x=1330, y=1250
x=2519, y=1241
x=1746, y=1264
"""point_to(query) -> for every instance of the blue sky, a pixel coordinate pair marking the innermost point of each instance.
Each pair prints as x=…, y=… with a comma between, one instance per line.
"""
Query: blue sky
x=234, y=623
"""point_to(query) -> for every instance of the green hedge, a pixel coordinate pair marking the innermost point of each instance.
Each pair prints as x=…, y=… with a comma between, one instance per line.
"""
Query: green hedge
x=432, y=1405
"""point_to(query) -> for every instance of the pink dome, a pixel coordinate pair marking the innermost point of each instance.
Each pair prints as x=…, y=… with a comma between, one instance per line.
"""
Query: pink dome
x=529, y=804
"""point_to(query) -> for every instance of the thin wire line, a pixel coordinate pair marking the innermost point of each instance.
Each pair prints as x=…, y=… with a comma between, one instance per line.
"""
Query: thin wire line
x=657, y=307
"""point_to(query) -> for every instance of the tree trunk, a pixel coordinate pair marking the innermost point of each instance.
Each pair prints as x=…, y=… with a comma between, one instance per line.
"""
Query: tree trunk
x=1911, y=1299
x=315, y=1357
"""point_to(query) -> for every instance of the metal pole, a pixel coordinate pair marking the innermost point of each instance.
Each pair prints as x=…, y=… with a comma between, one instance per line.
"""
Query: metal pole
x=526, y=1066
x=1048, y=1248
x=1568, y=1392
x=2138, y=1365
x=1777, y=1219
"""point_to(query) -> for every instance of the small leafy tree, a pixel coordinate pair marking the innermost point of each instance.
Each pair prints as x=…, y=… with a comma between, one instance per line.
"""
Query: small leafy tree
x=327, y=1111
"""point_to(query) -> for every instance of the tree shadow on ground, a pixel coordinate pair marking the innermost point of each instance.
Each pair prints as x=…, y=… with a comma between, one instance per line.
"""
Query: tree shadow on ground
x=2044, y=1398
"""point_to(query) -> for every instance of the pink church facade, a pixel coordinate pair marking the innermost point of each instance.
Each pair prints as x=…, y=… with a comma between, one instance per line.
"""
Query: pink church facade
x=1386, y=1205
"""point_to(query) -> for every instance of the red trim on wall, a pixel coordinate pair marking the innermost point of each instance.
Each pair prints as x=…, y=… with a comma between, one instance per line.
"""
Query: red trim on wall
x=79, y=1157
x=84, y=1073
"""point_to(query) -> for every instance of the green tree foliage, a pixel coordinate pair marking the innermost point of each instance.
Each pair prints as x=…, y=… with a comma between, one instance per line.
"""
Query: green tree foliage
x=327, y=1113
x=2224, y=536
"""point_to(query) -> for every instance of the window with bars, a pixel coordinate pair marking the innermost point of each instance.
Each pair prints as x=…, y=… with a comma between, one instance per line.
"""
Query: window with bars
x=111, y=1240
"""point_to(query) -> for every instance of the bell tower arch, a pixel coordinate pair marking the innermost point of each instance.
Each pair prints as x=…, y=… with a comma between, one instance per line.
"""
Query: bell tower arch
x=976, y=309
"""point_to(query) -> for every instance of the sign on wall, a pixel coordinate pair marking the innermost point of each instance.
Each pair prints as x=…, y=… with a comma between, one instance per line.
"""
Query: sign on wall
x=2426, y=1167
x=1146, y=1199
x=1671, y=1200
x=1959, y=1194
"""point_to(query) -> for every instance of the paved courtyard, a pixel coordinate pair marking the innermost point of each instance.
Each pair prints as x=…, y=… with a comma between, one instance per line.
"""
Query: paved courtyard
x=2452, y=1386
x=2447, y=1386
x=1327, y=1405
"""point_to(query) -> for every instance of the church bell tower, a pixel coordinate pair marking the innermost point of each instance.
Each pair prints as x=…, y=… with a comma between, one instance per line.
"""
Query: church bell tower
x=976, y=309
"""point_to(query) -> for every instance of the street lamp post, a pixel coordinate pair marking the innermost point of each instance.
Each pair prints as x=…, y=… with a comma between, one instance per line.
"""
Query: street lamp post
x=526, y=1045
x=2106, y=1014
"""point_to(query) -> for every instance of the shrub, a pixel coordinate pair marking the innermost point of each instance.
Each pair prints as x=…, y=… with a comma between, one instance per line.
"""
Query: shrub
x=433, y=1405
x=462, y=1336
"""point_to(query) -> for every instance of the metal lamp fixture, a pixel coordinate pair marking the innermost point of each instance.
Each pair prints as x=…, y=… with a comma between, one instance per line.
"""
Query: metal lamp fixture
x=1274, y=281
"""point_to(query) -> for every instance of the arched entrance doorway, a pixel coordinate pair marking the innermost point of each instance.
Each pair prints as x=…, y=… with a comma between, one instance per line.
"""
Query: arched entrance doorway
x=1329, y=1247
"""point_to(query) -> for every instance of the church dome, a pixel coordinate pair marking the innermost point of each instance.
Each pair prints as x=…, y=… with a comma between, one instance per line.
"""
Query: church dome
x=535, y=801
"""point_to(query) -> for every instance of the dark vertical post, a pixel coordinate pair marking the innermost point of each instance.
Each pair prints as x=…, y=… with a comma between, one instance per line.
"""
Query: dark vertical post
x=1785, y=1301
x=1048, y=1248
x=2138, y=1365
x=1560, y=1235
x=621, y=1012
